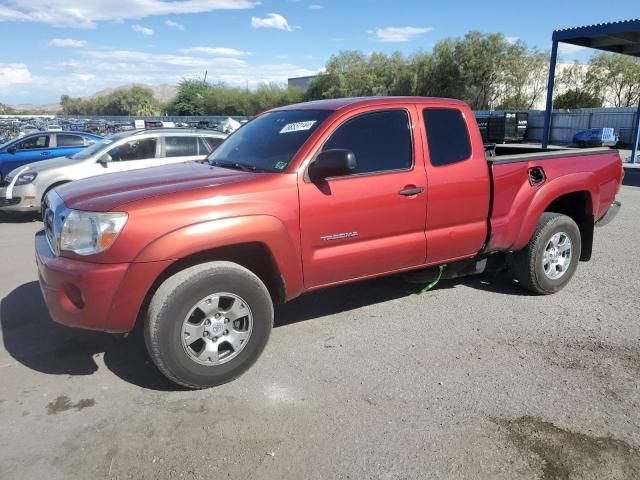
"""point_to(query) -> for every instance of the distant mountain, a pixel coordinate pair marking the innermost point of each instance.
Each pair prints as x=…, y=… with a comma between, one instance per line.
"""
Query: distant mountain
x=163, y=93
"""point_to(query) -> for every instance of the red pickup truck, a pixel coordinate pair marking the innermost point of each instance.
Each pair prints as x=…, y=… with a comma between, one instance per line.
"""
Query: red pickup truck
x=301, y=198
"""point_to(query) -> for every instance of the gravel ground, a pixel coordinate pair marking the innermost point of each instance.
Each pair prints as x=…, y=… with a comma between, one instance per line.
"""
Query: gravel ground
x=475, y=379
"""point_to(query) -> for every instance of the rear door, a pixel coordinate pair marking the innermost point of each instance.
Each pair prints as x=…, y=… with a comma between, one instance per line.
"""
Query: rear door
x=458, y=191
x=366, y=224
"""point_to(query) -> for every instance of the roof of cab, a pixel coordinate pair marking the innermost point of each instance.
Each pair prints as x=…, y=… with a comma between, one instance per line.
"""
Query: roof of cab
x=340, y=103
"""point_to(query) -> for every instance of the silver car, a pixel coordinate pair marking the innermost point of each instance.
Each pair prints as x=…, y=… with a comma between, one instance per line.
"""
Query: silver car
x=25, y=187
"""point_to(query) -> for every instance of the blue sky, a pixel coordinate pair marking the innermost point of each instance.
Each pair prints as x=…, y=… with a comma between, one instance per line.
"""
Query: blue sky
x=77, y=47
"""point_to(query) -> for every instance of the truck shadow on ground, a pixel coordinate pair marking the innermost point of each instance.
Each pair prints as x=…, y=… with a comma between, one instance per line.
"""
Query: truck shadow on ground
x=35, y=341
x=631, y=177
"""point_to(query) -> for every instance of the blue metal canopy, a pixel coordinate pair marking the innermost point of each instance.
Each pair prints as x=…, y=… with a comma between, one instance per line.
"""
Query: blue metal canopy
x=617, y=37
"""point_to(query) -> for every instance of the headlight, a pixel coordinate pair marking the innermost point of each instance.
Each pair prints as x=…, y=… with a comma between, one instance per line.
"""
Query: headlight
x=26, y=178
x=88, y=233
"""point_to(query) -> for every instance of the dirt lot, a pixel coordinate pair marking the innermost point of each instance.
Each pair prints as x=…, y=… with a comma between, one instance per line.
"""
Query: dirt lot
x=476, y=379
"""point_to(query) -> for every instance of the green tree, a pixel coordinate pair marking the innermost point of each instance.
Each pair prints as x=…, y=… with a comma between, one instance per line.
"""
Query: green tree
x=618, y=76
x=190, y=98
x=575, y=90
x=524, y=78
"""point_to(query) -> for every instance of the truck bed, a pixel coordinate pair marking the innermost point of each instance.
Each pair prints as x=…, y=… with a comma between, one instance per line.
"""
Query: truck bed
x=597, y=170
x=524, y=153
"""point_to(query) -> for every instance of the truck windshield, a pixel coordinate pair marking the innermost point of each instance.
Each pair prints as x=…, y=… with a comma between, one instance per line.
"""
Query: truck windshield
x=269, y=142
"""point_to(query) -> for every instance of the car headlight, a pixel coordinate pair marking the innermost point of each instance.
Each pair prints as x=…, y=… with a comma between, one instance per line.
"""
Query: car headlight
x=88, y=233
x=26, y=178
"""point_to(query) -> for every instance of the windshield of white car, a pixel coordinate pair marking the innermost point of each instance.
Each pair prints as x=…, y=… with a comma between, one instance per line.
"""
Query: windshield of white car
x=268, y=142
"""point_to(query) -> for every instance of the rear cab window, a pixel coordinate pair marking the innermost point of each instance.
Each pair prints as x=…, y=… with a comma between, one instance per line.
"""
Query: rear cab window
x=447, y=136
x=381, y=141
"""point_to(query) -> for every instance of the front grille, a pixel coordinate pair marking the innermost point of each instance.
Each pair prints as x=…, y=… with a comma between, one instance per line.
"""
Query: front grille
x=8, y=202
x=52, y=215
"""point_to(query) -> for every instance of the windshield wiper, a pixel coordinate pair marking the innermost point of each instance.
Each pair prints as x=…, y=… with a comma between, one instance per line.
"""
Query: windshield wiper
x=237, y=166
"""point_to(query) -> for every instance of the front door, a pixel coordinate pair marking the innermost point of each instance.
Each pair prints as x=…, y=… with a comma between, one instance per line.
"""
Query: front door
x=373, y=221
x=133, y=154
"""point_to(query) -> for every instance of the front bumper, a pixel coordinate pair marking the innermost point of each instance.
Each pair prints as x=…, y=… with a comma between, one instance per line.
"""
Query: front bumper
x=613, y=210
x=77, y=293
x=94, y=296
x=24, y=198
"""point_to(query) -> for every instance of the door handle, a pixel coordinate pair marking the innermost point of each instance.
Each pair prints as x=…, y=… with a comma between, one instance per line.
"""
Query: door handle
x=410, y=191
x=44, y=153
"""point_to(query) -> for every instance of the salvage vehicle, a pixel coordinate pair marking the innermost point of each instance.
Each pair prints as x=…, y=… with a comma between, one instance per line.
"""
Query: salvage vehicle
x=301, y=198
x=596, y=137
x=24, y=187
x=39, y=146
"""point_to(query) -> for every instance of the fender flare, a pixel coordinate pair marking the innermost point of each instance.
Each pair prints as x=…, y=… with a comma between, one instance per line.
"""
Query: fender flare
x=226, y=232
x=545, y=196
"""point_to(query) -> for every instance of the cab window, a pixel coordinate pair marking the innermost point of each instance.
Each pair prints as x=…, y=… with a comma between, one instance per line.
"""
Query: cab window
x=381, y=141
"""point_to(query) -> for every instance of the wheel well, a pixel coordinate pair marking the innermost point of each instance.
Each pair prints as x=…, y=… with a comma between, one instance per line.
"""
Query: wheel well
x=255, y=257
x=51, y=187
x=577, y=205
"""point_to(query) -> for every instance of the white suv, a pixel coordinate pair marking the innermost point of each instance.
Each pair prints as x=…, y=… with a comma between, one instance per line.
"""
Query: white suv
x=25, y=187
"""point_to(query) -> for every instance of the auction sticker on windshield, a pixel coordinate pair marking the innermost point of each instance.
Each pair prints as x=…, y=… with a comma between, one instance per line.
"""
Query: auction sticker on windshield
x=298, y=126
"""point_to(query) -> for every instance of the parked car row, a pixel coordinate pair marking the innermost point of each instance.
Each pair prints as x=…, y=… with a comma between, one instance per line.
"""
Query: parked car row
x=26, y=178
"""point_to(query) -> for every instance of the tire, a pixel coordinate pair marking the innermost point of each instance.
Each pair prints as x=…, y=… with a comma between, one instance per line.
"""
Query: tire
x=542, y=267
x=178, y=308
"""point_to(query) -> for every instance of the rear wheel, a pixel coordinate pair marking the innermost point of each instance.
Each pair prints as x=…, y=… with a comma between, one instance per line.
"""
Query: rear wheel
x=551, y=257
x=208, y=324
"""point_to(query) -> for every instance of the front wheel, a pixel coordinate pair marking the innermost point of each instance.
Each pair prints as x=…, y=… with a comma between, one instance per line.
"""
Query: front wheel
x=551, y=257
x=208, y=324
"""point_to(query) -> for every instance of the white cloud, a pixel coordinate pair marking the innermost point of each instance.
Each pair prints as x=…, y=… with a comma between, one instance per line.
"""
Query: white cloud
x=93, y=70
x=399, y=34
x=142, y=30
x=512, y=40
x=172, y=24
x=13, y=74
x=218, y=51
x=272, y=20
x=315, y=6
x=67, y=43
x=569, y=49
x=86, y=14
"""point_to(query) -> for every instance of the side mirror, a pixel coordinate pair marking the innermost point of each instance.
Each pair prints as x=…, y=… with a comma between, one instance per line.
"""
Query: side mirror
x=12, y=149
x=333, y=163
x=104, y=159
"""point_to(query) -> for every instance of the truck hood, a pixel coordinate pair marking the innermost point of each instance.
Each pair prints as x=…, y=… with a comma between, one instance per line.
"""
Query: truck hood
x=108, y=192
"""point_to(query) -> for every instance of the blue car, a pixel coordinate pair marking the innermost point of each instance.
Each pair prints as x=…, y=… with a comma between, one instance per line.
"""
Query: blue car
x=596, y=137
x=38, y=146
